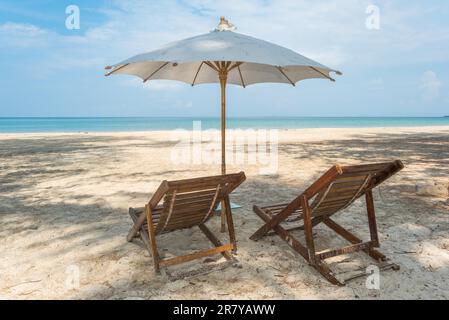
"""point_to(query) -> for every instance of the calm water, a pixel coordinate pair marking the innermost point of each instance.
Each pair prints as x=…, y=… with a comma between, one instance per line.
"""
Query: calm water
x=16, y=125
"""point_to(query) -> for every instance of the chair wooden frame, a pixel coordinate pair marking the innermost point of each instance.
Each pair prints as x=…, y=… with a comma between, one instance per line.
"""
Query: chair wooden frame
x=334, y=191
x=184, y=204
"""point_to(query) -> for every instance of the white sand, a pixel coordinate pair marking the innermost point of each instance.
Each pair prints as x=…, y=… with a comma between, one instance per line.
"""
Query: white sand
x=64, y=201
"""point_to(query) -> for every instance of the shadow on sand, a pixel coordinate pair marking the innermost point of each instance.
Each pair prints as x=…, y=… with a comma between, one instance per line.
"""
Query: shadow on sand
x=86, y=229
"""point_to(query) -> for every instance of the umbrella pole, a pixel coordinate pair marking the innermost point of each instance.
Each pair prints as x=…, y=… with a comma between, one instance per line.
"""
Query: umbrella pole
x=223, y=76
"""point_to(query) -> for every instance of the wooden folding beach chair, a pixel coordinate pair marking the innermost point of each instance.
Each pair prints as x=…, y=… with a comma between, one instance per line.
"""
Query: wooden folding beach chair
x=338, y=188
x=184, y=204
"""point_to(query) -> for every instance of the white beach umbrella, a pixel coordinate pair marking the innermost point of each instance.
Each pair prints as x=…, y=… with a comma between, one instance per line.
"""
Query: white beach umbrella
x=223, y=56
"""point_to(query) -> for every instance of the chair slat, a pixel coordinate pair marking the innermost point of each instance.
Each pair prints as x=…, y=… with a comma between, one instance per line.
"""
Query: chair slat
x=278, y=206
x=192, y=194
x=367, y=167
x=193, y=200
x=182, y=211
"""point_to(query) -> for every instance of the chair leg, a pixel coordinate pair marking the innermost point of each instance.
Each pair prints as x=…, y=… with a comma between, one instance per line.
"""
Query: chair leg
x=230, y=223
x=133, y=232
x=318, y=264
x=372, y=218
x=152, y=238
x=223, y=217
x=308, y=230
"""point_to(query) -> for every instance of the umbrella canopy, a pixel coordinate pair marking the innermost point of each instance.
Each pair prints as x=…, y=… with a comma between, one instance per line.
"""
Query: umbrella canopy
x=248, y=61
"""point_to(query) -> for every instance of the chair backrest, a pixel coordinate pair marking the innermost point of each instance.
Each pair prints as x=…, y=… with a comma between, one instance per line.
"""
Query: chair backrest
x=347, y=184
x=190, y=202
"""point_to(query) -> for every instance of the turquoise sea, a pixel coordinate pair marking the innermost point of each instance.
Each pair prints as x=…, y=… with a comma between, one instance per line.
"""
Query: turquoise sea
x=18, y=125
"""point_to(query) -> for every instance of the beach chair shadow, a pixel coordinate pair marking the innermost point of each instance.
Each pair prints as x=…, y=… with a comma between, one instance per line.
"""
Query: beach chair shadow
x=184, y=204
x=334, y=191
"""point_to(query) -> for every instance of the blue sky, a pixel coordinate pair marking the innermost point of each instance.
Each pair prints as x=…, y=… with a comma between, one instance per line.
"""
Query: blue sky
x=400, y=69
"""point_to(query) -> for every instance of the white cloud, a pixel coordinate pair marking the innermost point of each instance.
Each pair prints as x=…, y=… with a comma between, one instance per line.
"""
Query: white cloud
x=22, y=35
x=20, y=29
x=430, y=86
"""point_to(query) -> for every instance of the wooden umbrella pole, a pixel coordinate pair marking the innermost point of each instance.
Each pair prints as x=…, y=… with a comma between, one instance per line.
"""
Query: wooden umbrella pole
x=223, y=76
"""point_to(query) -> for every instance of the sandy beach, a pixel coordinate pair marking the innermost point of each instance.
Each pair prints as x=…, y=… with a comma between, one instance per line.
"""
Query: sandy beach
x=64, y=202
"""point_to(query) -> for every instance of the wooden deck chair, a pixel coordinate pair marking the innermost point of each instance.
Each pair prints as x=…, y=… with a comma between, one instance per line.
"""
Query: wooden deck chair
x=185, y=204
x=338, y=188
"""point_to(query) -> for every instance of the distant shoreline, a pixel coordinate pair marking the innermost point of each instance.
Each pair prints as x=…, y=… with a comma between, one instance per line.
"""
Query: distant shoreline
x=295, y=132
x=143, y=124
x=216, y=117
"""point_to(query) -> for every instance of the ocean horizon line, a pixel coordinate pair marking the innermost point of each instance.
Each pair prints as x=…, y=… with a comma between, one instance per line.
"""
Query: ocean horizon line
x=212, y=117
x=127, y=124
